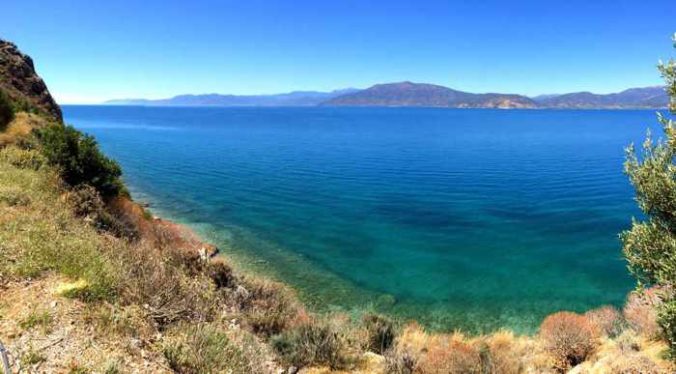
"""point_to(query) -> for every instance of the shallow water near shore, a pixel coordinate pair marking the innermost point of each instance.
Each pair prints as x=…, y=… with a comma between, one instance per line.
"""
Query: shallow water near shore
x=460, y=219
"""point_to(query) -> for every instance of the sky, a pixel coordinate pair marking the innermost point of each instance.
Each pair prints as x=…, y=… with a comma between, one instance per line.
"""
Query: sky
x=91, y=51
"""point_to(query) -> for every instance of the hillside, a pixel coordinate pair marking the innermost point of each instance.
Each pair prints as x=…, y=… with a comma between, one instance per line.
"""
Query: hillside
x=647, y=97
x=291, y=99
x=427, y=95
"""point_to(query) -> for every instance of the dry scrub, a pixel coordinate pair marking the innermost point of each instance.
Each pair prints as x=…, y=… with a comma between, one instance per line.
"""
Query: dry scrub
x=570, y=338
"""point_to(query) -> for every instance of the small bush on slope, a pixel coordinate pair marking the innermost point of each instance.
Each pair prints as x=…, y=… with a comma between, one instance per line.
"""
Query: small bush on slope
x=640, y=312
x=452, y=355
x=203, y=349
x=568, y=337
x=606, y=321
x=268, y=307
x=381, y=332
x=322, y=342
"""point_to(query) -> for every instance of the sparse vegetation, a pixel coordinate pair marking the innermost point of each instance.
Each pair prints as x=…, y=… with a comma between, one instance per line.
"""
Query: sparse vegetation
x=269, y=307
x=606, y=321
x=640, y=312
x=112, y=367
x=31, y=357
x=201, y=348
x=36, y=318
x=320, y=342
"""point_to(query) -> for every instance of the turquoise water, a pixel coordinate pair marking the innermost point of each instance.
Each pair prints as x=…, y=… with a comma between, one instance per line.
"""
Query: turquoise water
x=471, y=219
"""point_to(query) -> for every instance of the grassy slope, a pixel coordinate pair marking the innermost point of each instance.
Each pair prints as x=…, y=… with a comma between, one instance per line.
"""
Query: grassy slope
x=75, y=298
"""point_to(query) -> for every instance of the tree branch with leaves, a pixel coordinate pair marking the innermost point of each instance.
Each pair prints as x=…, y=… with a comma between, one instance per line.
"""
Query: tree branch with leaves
x=650, y=245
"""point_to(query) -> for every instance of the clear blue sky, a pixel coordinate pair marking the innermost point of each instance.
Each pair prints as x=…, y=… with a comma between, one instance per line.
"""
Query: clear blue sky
x=89, y=51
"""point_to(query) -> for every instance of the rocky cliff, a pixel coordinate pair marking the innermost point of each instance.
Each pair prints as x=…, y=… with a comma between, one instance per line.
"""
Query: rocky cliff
x=20, y=81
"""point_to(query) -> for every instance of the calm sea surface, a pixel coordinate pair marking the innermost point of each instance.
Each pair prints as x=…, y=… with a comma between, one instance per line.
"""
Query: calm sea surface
x=471, y=219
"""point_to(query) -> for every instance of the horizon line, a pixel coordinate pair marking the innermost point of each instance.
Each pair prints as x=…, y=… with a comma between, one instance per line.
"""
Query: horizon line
x=99, y=101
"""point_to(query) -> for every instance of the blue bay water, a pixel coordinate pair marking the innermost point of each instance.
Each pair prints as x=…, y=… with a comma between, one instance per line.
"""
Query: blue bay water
x=470, y=219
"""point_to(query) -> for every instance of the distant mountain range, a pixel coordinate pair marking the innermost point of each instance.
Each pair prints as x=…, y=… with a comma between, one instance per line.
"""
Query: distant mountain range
x=296, y=98
x=409, y=94
x=647, y=97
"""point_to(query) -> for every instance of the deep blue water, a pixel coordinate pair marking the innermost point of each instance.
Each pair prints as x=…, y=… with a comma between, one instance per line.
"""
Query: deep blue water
x=471, y=219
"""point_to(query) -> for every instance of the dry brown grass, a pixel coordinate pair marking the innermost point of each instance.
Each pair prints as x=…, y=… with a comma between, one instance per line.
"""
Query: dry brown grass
x=606, y=321
x=19, y=130
x=450, y=355
x=506, y=353
x=75, y=337
x=147, y=278
x=207, y=348
x=568, y=337
x=634, y=364
x=419, y=352
x=640, y=311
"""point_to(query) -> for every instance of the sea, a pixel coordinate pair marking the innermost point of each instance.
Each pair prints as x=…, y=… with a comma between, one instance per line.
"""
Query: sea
x=460, y=219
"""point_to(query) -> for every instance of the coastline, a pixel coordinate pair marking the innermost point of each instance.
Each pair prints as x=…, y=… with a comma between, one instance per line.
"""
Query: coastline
x=321, y=291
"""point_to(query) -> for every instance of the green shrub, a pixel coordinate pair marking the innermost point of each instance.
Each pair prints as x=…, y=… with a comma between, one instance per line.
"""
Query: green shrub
x=6, y=110
x=381, y=332
x=667, y=320
x=79, y=159
x=314, y=343
x=650, y=246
